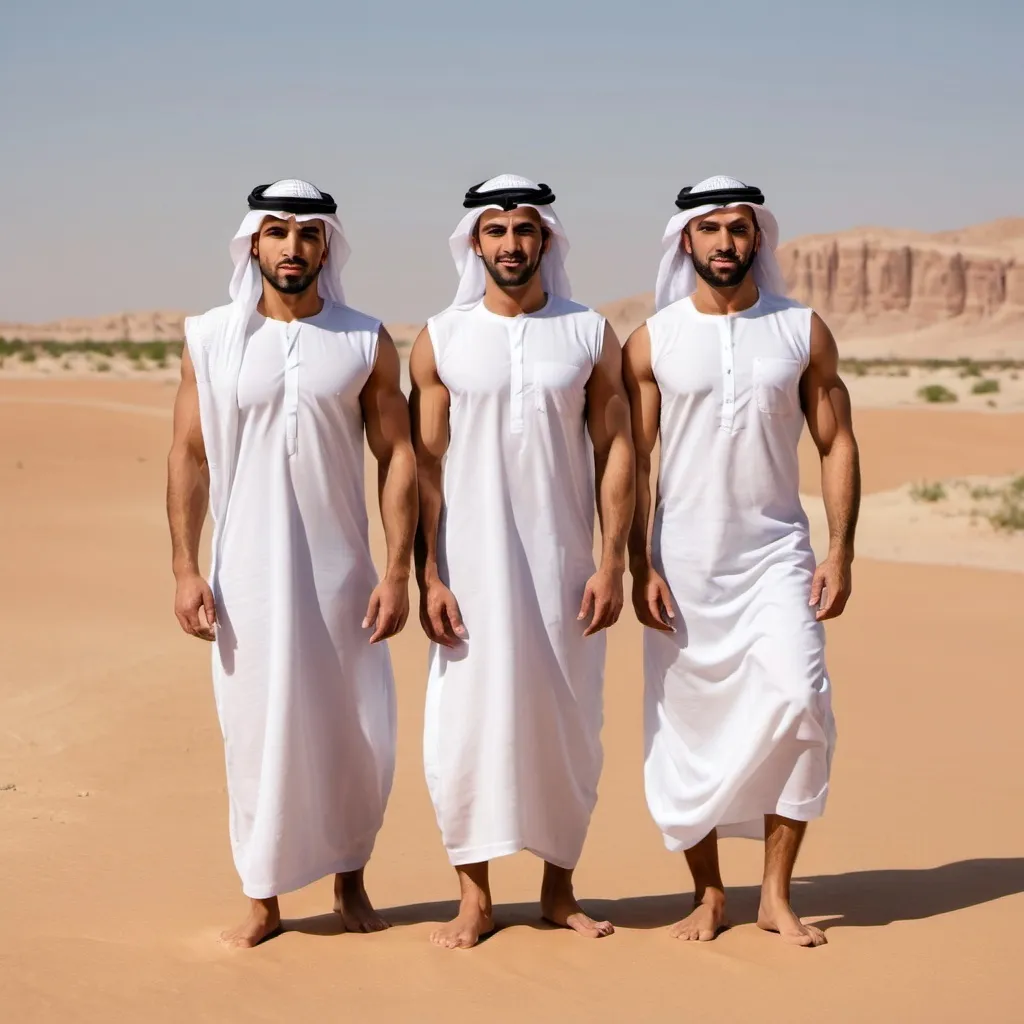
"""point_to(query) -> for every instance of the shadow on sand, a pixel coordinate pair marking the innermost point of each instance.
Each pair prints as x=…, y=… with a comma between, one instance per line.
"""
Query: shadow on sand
x=857, y=899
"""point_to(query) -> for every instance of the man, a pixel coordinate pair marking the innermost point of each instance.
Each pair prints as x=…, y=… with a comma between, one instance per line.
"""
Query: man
x=738, y=718
x=507, y=384
x=276, y=389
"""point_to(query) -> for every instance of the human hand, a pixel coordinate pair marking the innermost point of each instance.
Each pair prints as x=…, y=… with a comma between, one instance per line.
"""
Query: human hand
x=831, y=578
x=193, y=596
x=440, y=616
x=602, y=599
x=388, y=609
x=652, y=601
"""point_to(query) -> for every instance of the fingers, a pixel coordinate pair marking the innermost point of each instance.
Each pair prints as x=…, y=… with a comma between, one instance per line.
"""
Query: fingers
x=390, y=619
x=666, y=600
x=454, y=616
x=607, y=607
x=834, y=605
x=372, y=610
x=587, y=605
x=658, y=610
x=816, y=586
x=208, y=604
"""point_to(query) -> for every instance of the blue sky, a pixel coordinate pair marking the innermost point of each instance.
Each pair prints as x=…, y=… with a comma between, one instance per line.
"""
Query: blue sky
x=130, y=133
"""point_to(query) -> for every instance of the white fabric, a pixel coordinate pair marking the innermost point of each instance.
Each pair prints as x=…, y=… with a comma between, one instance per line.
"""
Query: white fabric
x=470, y=267
x=676, y=276
x=512, y=745
x=306, y=705
x=738, y=716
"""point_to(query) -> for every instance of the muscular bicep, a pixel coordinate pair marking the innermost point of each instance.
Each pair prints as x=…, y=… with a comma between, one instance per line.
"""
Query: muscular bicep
x=385, y=410
x=825, y=397
x=429, y=400
x=187, y=431
x=642, y=390
x=607, y=405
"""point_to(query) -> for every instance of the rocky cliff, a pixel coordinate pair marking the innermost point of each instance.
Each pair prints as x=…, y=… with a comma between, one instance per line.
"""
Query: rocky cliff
x=903, y=293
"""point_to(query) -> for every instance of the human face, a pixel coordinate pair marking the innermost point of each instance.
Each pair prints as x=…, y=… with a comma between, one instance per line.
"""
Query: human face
x=291, y=253
x=723, y=245
x=511, y=244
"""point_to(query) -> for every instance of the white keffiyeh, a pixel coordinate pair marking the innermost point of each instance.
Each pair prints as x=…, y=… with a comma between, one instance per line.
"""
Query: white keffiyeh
x=676, y=277
x=473, y=274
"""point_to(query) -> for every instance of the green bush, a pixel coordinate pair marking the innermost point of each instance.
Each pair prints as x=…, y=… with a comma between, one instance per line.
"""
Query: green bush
x=27, y=355
x=928, y=492
x=988, y=386
x=936, y=393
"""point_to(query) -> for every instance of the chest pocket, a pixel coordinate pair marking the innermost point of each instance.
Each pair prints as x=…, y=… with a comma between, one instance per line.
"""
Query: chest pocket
x=776, y=385
x=551, y=379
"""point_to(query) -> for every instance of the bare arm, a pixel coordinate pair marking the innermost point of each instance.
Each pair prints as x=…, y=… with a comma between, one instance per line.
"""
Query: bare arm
x=826, y=403
x=386, y=416
x=651, y=600
x=188, y=491
x=439, y=614
x=608, y=424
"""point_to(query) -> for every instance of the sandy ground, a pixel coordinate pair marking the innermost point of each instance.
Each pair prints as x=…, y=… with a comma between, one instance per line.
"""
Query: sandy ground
x=115, y=871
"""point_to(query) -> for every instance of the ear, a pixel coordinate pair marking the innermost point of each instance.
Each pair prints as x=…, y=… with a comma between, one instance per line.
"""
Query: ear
x=254, y=244
x=757, y=240
x=686, y=242
x=546, y=235
x=324, y=255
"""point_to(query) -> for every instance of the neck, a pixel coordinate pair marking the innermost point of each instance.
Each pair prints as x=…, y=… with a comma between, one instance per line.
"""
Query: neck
x=278, y=306
x=513, y=301
x=708, y=299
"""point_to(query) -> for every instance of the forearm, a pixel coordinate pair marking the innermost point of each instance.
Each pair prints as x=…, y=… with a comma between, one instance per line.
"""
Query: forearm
x=616, y=483
x=187, y=501
x=396, y=485
x=639, y=554
x=430, y=504
x=840, y=491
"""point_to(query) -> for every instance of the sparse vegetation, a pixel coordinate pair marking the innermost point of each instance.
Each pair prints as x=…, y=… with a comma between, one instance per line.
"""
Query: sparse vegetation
x=937, y=393
x=930, y=492
x=987, y=386
x=141, y=353
x=27, y=355
x=969, y=368
x=103, y=366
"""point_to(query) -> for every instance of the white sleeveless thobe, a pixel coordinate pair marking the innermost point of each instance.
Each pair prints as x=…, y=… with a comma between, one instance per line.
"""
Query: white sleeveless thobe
x=306, y=705
x=512, y=744
x=738, y=717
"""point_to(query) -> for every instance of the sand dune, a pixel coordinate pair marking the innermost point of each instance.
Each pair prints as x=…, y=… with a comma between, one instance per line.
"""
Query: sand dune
x=115, y=872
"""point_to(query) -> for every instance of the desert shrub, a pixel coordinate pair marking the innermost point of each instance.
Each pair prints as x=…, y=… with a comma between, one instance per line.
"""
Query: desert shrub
x=969, y=368
x=27, y=355
x=925, y=491
x=936, y=393
x=103, y=366
x=987, y=386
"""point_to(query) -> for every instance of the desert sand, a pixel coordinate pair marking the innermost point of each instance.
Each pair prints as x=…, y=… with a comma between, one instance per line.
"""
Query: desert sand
x=115, y=870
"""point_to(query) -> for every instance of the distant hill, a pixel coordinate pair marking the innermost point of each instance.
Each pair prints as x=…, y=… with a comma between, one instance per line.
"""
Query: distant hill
x=883, y=291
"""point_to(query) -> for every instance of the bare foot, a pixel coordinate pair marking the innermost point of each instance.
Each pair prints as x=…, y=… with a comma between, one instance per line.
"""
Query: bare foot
x=262, y=923
x=558, y=905
x=472, y=924
x=706, y=921
x=776, y=915
x=353, y=905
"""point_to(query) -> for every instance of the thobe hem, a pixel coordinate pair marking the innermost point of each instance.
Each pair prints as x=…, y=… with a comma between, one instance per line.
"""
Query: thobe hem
x=478, y=854
x=679, y=840
x=339, y=867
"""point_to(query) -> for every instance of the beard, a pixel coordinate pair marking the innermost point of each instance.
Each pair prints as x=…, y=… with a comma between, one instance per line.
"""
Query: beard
x=723, y=277
x=290, y=284
x=514, y=276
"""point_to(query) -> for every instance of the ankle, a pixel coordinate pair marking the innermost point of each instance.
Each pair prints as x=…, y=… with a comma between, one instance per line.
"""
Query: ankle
x=709, y=894
x=774, y=893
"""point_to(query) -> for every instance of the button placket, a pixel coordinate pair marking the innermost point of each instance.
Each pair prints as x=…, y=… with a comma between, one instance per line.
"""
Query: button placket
x=517, y=330
x=291, y=388
x=728, y=373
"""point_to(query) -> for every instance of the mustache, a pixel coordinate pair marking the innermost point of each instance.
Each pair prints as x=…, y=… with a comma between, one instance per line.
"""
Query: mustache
x=728, y=254
x=293, y=261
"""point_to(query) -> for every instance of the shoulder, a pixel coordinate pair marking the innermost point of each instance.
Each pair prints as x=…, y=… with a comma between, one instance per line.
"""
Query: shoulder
x=204, y=326
x=670, y=314
x=577, y=311
x=772, y=302
x=345, y=319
